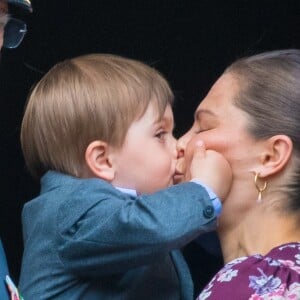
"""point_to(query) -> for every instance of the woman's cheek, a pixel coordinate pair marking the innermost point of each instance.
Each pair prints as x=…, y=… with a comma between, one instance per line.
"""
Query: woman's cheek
x=213, y=141
x=208, y=141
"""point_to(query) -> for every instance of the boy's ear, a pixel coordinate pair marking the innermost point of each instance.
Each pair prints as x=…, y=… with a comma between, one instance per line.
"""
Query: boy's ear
x=98, y=160
x=276, y=154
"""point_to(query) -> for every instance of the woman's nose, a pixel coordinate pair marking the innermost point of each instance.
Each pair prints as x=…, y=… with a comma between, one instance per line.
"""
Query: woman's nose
x=181, y=144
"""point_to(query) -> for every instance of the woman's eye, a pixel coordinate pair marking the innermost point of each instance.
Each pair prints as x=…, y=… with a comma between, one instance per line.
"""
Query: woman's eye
x=199, y=130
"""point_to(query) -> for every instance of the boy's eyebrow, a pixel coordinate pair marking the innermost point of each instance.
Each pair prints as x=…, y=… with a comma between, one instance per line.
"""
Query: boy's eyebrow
x=165, y=121
x=202, y=111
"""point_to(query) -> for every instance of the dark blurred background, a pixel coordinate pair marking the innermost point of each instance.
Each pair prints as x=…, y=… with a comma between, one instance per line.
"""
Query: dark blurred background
x=190, y=42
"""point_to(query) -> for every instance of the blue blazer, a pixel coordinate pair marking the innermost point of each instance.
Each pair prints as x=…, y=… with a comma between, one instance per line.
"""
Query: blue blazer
x=84, y=239
x=3, y=272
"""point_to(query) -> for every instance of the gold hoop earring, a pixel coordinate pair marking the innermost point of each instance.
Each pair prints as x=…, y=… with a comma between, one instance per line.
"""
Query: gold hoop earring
x=259, y=188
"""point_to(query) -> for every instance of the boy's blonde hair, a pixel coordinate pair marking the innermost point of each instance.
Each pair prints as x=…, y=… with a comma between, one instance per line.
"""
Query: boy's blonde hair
x=88, y=98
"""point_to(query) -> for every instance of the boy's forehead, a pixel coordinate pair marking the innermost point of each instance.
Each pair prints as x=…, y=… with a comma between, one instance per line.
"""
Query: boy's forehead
x=167, y=116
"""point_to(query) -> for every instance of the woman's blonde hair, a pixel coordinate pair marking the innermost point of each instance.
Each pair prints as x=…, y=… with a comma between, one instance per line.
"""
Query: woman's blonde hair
x=91, y=97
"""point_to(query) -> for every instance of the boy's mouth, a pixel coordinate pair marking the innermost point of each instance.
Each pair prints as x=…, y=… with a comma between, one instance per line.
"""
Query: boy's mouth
x=179, y=171
x=178, y=177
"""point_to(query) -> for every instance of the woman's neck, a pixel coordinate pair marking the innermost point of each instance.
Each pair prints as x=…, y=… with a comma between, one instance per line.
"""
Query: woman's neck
x=261, y=230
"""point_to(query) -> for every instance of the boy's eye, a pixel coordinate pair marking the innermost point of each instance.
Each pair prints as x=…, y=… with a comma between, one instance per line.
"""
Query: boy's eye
x=161, y=134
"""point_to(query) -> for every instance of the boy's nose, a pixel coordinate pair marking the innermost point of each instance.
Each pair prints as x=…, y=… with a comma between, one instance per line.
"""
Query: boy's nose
x=174, y=147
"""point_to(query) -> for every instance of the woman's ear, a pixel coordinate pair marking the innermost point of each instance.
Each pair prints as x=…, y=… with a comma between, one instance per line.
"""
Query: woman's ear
x=277, y=153
x=98, y=160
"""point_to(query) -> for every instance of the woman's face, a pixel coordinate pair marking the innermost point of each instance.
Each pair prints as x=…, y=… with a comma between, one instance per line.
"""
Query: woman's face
x=223, y=128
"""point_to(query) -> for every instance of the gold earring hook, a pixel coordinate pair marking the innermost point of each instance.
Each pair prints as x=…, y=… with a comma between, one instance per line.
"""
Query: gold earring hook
x=260, y=189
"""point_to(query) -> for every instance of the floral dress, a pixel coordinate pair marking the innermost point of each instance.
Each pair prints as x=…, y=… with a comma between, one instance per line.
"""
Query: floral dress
x=275, y=276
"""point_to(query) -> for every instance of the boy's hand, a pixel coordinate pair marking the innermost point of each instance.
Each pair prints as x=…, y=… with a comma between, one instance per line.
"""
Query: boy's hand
x=211, y=168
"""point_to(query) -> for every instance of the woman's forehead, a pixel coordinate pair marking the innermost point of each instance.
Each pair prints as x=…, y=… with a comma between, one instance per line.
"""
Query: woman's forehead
x=221, y=94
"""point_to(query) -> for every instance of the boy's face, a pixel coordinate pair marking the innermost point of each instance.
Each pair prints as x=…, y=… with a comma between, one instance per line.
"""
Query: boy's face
x=146, y=161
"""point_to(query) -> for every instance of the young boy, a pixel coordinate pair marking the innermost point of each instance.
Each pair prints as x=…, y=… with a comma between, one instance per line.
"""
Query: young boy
x=97, y=130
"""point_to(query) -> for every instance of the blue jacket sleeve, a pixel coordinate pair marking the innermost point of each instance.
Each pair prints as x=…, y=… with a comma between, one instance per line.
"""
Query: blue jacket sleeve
x=119, y=232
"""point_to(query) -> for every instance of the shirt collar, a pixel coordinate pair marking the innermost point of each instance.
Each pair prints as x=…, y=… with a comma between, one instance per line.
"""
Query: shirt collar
x=127, y=191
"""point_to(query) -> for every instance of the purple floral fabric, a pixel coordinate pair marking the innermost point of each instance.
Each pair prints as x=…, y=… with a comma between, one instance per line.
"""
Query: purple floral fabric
x=275, y=276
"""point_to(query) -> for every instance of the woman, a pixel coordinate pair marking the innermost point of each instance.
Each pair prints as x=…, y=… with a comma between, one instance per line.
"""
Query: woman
x=251, y=115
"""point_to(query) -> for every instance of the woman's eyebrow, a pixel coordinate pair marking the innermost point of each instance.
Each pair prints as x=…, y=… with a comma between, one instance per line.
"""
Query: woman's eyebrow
x=199, y=112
